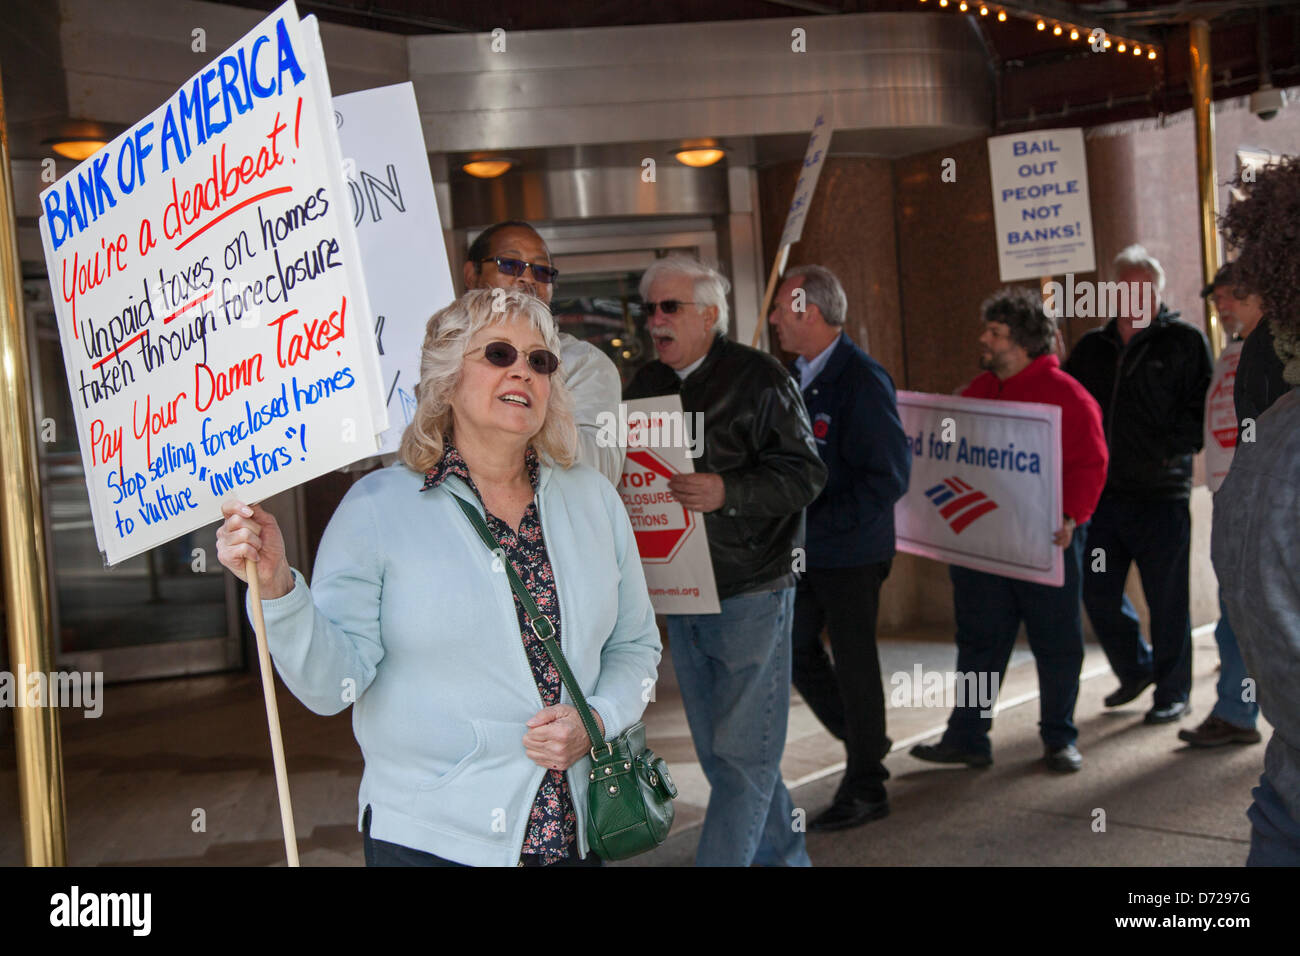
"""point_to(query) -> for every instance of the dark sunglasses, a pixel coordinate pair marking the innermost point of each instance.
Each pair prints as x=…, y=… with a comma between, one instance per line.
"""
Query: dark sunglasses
x=670, y=306
x=516, y=267
x=503, y=355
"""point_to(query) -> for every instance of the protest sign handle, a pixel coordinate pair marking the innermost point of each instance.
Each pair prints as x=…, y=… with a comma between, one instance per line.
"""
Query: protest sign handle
x=272, y=714
x=777, y=268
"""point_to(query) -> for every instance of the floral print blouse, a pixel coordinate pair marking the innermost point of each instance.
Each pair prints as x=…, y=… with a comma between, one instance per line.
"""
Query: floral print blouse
x=553, y=823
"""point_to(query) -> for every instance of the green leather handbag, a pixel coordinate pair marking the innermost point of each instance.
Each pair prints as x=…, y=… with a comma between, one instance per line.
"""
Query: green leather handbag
x=630, y=792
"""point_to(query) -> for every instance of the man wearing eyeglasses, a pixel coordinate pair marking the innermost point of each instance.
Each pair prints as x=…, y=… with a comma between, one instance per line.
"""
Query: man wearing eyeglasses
x=511, y=255
x=757, y=471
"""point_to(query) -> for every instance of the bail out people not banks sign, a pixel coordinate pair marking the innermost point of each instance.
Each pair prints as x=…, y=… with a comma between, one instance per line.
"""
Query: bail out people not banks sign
x=215, y=326
x=986, y=485
x=674, y=547
x=1040, y=204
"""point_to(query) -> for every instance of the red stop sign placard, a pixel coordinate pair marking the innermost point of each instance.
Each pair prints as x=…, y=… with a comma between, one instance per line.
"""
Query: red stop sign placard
x=659, y=521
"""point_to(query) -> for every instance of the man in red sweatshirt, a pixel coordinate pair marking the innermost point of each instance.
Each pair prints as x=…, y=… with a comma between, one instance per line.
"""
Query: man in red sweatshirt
x=1015, y=351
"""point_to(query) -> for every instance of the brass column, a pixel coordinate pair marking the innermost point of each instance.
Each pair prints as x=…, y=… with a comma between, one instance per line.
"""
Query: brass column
x=22, y=537
x=1206, y=184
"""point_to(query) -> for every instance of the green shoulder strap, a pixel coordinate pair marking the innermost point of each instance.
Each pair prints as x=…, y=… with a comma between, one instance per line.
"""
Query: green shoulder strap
x=540, y=624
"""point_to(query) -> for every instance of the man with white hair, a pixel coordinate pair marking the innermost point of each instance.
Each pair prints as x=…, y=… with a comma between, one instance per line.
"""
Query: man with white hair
x=1149, y=372
x=758, y=470
x=850, y=398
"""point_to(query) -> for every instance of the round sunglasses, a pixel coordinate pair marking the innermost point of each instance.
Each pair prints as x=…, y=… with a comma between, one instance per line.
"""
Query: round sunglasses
x=503, y=355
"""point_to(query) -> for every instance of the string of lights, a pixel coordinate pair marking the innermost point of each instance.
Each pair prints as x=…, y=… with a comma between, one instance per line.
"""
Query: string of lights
x=1096, y=38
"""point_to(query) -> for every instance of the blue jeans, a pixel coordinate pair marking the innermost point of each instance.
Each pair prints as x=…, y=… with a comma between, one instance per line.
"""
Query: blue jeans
x=1274, y=836
x=734, y=672
x=989, y=609
x=1157, y=535
x=1232, y=677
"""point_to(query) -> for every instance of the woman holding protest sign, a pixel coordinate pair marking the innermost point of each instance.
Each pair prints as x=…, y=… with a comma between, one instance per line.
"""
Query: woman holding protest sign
x=470, y=756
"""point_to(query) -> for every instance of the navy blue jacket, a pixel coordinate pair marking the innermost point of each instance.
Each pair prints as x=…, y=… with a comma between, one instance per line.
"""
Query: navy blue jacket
x=860, y=438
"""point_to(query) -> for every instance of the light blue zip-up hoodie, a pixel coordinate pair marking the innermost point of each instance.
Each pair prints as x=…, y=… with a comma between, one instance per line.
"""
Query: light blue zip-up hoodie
x=407, y=617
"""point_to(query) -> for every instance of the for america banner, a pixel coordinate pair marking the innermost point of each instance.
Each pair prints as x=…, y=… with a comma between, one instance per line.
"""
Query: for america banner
x=986, y=485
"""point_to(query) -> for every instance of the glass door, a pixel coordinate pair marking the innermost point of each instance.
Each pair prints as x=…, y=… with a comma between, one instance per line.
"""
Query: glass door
x=597, y=297
x=170, y=611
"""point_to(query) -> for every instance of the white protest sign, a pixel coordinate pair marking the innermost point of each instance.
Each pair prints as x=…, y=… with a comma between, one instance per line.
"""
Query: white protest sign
x=674, y=547
x=1221, y=416
x=400, y=232
x=1040, y=204
x=985, y=491
x=215, y=326
x=814, y=158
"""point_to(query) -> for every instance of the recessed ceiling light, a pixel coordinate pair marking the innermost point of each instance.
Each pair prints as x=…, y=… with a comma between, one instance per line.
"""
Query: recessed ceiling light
x=700, y=156
x=77, y=149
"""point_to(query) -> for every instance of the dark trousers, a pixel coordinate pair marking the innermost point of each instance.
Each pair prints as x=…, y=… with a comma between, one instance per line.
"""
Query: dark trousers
x=989, y=609
x=1157, y=535
x=383, y=853
x=847, y=697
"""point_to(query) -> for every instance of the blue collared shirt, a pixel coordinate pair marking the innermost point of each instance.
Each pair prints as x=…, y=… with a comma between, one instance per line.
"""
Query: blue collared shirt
x=808, y=371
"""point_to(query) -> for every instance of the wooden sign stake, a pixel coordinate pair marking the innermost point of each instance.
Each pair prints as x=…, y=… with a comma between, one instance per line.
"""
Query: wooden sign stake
x=272, y=714
x=773, y=278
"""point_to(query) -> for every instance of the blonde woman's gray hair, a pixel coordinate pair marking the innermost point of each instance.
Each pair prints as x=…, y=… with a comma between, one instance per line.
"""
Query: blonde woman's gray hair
x=442, y=357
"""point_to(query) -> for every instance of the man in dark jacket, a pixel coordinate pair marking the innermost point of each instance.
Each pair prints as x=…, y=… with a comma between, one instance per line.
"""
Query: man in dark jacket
x=1259, y=382
x=758, y=470
x=1149, y=373
x=850, y=399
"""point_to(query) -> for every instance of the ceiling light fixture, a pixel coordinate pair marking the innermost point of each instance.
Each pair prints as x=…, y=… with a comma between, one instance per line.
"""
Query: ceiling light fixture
x=489, y=167
x=76, y=149
x=697, y=157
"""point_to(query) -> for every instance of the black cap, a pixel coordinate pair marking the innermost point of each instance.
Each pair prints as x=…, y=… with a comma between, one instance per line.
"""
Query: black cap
x=1224, y=276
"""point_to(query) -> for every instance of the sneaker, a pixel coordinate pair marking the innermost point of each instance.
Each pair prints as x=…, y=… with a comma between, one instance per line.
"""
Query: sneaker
x=1215, y=732
x=1066, y=760
x=1167, y=713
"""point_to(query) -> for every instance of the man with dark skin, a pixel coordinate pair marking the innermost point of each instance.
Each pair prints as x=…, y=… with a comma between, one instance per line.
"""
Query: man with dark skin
x=590, y=375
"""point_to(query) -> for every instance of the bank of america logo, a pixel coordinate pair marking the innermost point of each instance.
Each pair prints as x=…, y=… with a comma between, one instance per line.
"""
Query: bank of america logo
x=959, y=504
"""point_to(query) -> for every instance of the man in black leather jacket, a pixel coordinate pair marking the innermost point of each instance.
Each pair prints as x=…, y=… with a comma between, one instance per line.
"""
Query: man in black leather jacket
x=758, y=470
x=1149, y=371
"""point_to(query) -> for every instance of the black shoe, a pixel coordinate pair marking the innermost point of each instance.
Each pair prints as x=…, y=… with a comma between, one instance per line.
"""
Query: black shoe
x=947, y=753
x=848, y=812
x=1127, y=692
x=1066, y=760
x=1168, y=713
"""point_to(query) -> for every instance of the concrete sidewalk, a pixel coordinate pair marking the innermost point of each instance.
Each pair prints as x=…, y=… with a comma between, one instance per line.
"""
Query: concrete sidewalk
x=178, y=772
x=1161, y=802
